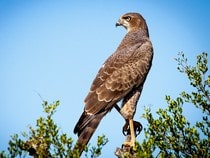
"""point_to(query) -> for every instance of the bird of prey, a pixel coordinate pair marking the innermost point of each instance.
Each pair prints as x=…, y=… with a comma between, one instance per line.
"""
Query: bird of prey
x=121, y=77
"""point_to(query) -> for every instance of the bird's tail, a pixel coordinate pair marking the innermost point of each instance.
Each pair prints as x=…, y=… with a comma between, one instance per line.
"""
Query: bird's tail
x=85, y=128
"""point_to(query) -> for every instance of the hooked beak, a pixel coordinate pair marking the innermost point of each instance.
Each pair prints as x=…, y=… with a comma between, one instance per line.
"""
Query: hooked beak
x=118, y=24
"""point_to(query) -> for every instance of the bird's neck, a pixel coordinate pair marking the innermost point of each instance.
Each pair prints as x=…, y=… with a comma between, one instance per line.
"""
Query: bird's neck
x=134, y=37
x=138, y=33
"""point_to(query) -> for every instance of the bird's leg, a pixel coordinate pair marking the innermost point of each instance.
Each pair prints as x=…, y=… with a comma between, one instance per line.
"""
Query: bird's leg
x=127, y=111
x=126, y=127
x=133, y=136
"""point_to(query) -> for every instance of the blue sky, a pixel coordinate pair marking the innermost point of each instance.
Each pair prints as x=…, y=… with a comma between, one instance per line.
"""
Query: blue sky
x=55, y=48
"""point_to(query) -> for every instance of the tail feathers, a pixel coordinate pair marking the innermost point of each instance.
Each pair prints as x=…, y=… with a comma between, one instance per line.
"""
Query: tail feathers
x=85, y=128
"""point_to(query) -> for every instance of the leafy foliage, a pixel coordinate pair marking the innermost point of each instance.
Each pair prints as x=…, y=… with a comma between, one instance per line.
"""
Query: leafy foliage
x=96, y=151
x=196, y=74
x=46, y=140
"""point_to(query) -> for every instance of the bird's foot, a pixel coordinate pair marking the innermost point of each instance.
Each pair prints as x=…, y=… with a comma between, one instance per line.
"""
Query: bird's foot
x=128, y=145
x=137, y=128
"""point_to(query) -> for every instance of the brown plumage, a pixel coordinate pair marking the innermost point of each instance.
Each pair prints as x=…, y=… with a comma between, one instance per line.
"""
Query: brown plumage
x=122, y=74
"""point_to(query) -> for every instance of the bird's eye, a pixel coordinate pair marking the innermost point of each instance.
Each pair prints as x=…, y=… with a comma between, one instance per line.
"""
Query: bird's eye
x=127, y=18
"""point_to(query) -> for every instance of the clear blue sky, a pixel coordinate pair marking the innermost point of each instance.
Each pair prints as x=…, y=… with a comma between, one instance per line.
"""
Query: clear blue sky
x=55, y=48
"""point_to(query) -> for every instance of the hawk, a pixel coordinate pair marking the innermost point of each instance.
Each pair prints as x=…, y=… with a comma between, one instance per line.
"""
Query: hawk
x=121, y=77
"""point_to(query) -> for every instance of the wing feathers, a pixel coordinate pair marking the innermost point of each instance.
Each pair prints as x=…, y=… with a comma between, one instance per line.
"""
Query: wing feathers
x=119, y=74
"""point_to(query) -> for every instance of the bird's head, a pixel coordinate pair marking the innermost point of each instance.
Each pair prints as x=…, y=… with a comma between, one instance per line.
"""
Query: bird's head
x=132, y=21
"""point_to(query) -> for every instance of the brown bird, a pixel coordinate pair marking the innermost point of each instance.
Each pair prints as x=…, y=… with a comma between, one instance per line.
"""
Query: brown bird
x=121, y=77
